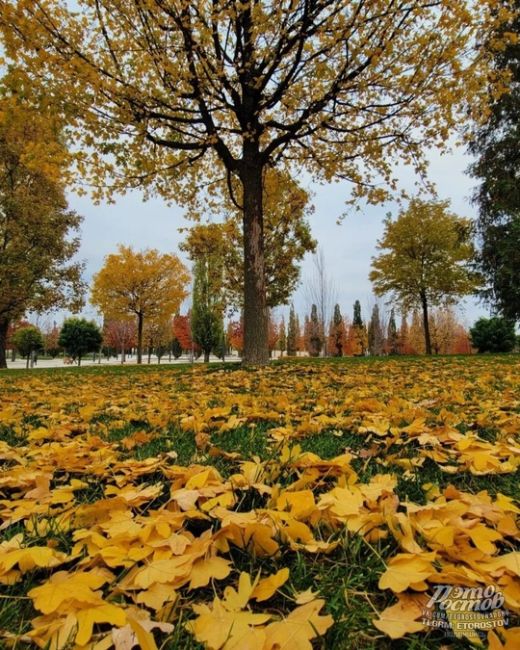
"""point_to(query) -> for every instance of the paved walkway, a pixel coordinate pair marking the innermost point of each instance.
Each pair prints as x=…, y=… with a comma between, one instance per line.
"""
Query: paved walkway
x=113, y=361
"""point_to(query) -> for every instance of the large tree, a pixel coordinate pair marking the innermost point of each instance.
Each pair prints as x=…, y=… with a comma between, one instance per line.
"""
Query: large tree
x=496, y=145
x=143, y=284
x=428, y=259
x=37, y=230
x=190, y=93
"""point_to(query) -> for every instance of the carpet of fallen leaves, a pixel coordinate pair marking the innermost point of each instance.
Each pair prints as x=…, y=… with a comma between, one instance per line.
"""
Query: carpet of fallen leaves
x=160, y=508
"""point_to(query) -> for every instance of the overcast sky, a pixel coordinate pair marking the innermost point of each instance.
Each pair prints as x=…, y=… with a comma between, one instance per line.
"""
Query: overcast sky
x=348, y=247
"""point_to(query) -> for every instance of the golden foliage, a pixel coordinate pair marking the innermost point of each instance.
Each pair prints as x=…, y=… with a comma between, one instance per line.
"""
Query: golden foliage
x=150, y=541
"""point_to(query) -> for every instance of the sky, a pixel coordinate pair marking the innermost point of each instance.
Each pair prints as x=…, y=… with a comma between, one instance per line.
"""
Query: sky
x=348, y=247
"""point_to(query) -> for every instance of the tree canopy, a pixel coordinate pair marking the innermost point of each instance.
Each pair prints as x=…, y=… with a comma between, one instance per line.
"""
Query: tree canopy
x=145, y=284
x=37, y=230
x=191, y=95
x=428, y=258
x=79, y=336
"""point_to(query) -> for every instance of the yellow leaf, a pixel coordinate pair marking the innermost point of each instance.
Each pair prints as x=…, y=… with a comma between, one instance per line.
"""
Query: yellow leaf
x=267, y=587
x=401, y=618
x=406, y=569
x=105, y=613
x=296, y=631
x=204, y=570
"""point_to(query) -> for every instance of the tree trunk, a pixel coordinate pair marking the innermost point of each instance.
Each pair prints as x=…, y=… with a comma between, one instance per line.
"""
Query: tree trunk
x=256, y=350
x=426, y=324
x=4, y=326
x=139, y=338
x=206, y=356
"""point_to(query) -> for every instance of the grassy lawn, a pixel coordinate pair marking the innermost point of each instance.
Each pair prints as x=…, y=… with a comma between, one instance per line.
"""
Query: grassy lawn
x=148, y=501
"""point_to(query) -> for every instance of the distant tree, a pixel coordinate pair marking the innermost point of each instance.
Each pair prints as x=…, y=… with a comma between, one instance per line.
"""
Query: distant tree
x=315, y=333
x=79, y=336
x=429, y=258
x=207, y=307
x=416, y=334
x=157, y=336
x=357, y=332
x=272, y=333
x=493, y=335
x=235, y=332
x=37, y=230
x=392, y=337
x=337, y=333
x=120, y=336
x=321, y=292
x=182, y=332
x=292, y=334
x=176, y=348
x=51, y=335
x=282, y=336
x=404, y=335
x=375, y=333
x=300, y=344
x=145, y=284
x=27, y=341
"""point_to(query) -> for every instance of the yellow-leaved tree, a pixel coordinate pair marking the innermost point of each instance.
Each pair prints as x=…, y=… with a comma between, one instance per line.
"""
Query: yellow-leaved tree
x=427, y=262
x=38, y=232
x=145, y=284
x=175, y=96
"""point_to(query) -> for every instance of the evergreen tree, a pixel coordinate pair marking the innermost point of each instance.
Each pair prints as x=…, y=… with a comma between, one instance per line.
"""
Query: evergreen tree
x=337, y=333
x=392, y=338
x=493, y=335
x=404, y=335
x=299, y=336
x=292, y=334
x=496, y=144
x=375, y=333
x=315, y=333
x=282, y=337
x=358, y=333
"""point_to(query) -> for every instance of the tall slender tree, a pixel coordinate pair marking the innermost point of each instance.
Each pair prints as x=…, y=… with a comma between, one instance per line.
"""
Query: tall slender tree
x=206, y=312
x=375, y=332
x=184, y=94
x=292, y=333
x=315, y=333
x=337, y=333
x=392, y=337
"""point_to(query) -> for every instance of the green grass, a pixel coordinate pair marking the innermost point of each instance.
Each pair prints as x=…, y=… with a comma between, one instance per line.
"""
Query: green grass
x=346, y=578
